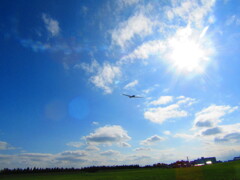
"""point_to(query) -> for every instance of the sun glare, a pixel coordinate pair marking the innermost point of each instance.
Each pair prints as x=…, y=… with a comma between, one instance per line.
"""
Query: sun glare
x=189, y=54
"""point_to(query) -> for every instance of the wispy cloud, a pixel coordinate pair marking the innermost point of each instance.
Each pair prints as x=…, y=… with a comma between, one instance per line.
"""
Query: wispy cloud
x=89, y=68
x=233, y=20
x=137, y=25
x=36, y=46
x=127, y=2
x=103, y=76
x=188, y=11
x=84, y=10
x=144, y=51
x=95, y=123
x=142, y=149
x=51, y=25
x=35, y=156
x=5, y=146
x=131, y=84
x=185, y=27
x=175, y=49
x=185, y=136
x=75, y=144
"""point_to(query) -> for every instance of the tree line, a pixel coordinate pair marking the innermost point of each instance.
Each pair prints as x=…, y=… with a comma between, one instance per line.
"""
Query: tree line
x=57, y=169
x=92, y=169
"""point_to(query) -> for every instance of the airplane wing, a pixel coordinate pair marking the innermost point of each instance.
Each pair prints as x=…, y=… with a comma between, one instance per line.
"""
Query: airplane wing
x=126, y=95
x=138, y=97
x=132, y=96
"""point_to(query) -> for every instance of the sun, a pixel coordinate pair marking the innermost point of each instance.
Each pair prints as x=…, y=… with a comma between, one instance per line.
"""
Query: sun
x=188, y=53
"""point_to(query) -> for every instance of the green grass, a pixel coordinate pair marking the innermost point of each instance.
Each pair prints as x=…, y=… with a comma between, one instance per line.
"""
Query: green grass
x=222, y=171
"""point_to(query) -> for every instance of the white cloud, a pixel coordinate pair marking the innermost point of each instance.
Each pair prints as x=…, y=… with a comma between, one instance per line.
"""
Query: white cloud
x=231, y=137
x=208, y=131
x=162, y=100
x=124, y=144
x=211, y=116
x=230, y=128
x=131, y=84
x=108, y=135
x=51, y=25
x=161, y=114
x=212, y=131
x=78, y=156
x=110, y=153
x=136, y=25
x=167, y=132
x=180, y=97
x=151, y=140
x=75, y=144
x=92, y=148
x=74, y=153
x=139, y=159
x=206, y=126
x=228, y=134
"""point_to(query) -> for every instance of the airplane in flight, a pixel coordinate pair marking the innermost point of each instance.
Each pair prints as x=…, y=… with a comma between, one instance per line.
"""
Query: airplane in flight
x=132, y=96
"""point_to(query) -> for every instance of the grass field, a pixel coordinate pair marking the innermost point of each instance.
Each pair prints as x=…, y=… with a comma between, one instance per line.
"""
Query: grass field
x=221, y=171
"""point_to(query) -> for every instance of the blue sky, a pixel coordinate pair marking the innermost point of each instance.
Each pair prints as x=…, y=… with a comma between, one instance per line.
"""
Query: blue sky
x=65, y=64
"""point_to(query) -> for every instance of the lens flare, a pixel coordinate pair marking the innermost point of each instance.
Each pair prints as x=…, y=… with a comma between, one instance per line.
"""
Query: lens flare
x=189, y=51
